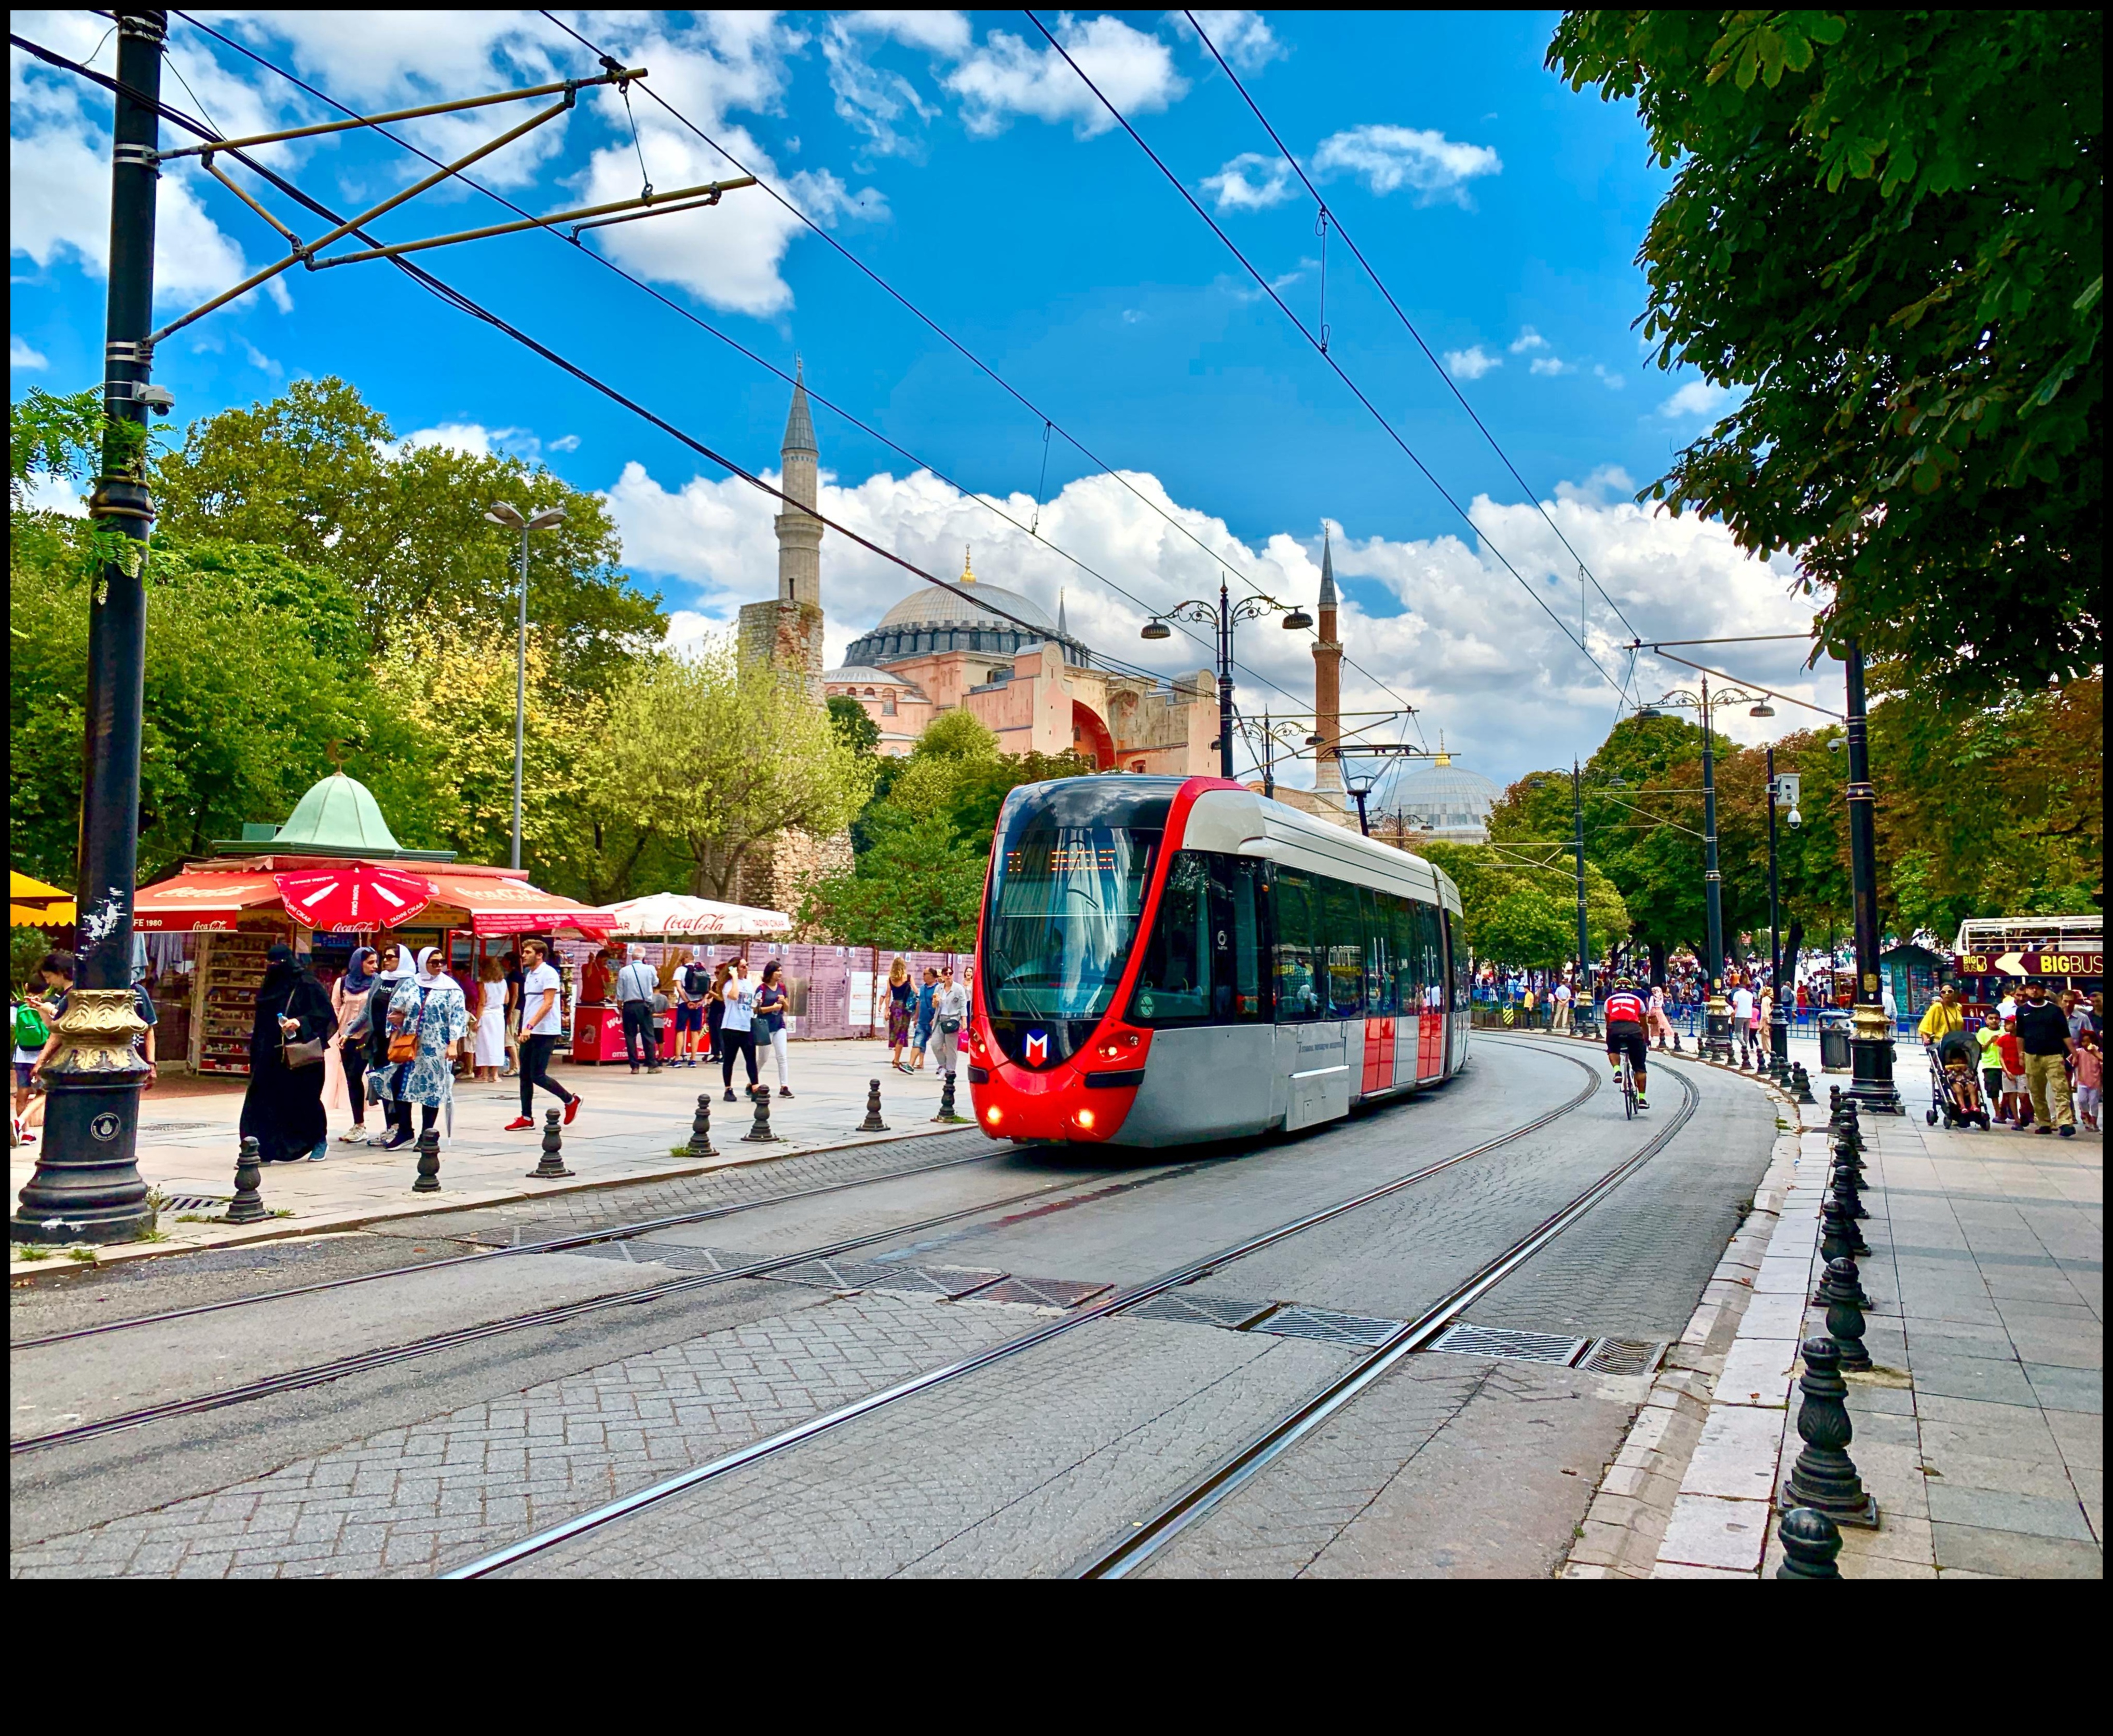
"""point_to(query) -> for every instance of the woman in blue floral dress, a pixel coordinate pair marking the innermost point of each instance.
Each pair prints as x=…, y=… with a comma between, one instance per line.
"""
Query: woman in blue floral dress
x=430, y=1004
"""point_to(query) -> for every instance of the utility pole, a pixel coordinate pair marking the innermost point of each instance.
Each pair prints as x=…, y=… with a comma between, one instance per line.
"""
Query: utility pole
x=1578, y=822
x=1225, y=681
x=1778, y=1017
x=1717, y=1017
x=1871, y=1039
x=86, y=1186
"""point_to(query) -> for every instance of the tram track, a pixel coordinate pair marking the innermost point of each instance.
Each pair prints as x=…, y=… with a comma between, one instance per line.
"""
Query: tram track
x=1131, y=1553
x=1128, y=1297
x=554, y=1245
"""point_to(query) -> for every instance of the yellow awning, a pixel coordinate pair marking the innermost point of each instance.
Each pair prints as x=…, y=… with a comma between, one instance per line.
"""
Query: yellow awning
x=31, y=904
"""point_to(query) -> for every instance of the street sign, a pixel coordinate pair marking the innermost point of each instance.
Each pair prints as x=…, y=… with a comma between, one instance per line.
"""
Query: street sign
x=2074, y=963
x=1787, y=786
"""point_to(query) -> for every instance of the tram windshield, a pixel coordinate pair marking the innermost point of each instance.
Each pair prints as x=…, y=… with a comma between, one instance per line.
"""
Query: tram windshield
x=1069, y=870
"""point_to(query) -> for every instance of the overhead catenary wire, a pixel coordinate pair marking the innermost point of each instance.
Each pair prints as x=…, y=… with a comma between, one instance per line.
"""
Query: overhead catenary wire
x=1357, y=391
x=967, y=354
x=1033, y=531
x=1329, y=214
x=454, y=298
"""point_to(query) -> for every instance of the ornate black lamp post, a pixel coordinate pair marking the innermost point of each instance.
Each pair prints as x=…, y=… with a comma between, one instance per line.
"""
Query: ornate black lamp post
x=1221, y=616
x=1871, y=1039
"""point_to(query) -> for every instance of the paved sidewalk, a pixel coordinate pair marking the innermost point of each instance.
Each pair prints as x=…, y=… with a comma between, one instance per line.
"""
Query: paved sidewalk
x=1979, y=1431
x=626, y=1131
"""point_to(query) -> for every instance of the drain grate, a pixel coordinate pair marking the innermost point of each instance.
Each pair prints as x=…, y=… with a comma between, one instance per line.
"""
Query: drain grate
x=1512, y=1345
x=1231, y=1312
x=188, y=1202
x=945, y=1283
x=1042, y=1292
x=1623, y=1355
x=1326, y=1327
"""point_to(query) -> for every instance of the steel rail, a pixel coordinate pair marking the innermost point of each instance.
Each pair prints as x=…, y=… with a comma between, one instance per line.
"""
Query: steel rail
x=1235, y=1472
x=556, y=1245
x=316, y=1374
x=1127, y=1297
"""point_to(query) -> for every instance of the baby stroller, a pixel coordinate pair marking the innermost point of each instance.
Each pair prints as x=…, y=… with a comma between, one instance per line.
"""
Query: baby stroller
x=1954, y=1093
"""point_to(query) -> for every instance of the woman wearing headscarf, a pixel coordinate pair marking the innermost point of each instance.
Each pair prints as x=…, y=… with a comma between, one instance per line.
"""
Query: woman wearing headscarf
x=396, y=1117
x=344, y=1065
x=430, y=1006
x=283, y=1110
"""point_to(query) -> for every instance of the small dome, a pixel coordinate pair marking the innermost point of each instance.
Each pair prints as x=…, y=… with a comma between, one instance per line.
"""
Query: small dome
x=340, y=814
x=1449, y=802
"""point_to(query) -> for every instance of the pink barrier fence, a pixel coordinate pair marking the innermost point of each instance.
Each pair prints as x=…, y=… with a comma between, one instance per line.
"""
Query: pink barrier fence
x=837, y=990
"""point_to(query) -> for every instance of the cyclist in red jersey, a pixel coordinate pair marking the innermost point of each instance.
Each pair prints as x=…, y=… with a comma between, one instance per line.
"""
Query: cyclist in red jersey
x=1624, y=1013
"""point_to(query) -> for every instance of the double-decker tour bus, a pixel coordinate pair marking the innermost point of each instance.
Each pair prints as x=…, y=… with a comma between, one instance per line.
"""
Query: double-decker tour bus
x=1166, y=959
x=1993, y=958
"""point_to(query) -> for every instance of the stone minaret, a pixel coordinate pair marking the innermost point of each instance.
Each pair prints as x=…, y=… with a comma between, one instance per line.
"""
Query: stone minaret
x=1327, y=682
x=787, y=631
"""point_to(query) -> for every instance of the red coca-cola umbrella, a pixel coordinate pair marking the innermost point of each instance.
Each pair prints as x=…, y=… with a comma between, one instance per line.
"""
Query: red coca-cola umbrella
x=357, y=897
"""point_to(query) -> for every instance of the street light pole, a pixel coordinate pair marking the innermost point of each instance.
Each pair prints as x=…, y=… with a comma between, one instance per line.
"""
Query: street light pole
x=511, y=517
x=1225, y=681
x=1577, y=822
x=1778, y=1017
x=1717, y=1017
x=1871, y=1039
x=87, y=1186
x=1221, y=619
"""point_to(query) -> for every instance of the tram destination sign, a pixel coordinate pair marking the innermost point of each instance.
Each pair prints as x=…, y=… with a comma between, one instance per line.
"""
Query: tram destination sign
x=2072, y=964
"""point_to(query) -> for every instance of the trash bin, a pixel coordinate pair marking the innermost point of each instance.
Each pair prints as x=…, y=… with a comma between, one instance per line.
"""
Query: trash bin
x=1834, y=1042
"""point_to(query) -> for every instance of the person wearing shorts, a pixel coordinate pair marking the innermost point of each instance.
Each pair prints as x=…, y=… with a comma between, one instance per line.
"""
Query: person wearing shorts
x=1988, y=1039
x=1625, y=1013
x=693, y=984
x=2090, y=1064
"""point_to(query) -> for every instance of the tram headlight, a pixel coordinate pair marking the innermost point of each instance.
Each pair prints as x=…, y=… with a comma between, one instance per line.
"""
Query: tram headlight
x=1085, y=1118
x=993, y=1114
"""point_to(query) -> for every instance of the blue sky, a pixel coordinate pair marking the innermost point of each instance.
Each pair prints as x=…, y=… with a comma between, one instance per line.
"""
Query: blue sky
x=958, y=159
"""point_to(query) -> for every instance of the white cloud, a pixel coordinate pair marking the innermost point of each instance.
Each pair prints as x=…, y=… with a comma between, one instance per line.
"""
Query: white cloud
x=1697, y=398
x=471, y=438
x=1007, y=77
x=1552, y=365
x=566, y=443
x=1244, y=39
x=1388, y=158
x=258, y=360
x=20, y=355
x=1527, y=340
x=1471, y=364
x=946, y=33
x=869, y=98
x=1453, y=626
x=1607, y=377
x=1251, y=182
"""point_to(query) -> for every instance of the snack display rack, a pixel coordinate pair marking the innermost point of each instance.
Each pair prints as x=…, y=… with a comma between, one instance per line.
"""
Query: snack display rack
x=229, y=972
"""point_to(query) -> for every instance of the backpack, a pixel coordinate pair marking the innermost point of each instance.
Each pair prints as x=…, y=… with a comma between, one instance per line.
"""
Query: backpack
x=30, y=1030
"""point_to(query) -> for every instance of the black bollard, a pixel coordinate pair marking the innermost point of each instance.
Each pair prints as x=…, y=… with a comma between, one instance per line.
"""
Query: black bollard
x=1845, y=1181
x=873, y=1123
x=1824, y=1477
x=429, y=1162
x=760, y=1134
x=1839, y=1238
x=1801, y=1081
x=248, y=1204
x=1810, y=1541
x=551, y=1167
x=700, y=1128
x=947, y=1100
x=1842, y=1294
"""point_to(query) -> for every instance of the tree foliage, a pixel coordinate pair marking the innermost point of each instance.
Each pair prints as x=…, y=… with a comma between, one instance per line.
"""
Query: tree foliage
x=1885, y=231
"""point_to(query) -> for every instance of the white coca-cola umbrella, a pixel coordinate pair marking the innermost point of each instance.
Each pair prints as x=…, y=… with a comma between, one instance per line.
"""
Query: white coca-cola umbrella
x=677, y=913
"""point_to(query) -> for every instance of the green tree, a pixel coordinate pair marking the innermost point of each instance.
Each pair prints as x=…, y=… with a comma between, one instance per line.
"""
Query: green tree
x=854, y=727
x=317, y=474
x=915, y=886
x=1886, y=231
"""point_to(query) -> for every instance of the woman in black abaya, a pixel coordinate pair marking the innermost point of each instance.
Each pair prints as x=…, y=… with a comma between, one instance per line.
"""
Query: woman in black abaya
x=283, y=1110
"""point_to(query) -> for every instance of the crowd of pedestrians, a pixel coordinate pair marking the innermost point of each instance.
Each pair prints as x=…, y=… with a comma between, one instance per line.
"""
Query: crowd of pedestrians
x=2041, y=1057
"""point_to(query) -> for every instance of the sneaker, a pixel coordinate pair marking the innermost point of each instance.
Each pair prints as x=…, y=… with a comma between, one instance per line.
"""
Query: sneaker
x=2067, y=1132
x=396, y=1141
x=786, y=1090
x=356, y=1136
x=1642, y=1103
x=2043, y=1131
x=320, y=1152
x=730, y=1096
x=571, y=1109
x=634, y=1071
x=520, y=1124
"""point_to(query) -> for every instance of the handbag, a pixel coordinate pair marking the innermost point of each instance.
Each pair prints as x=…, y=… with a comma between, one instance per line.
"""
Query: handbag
x=308, y=1054
x=404, y=1044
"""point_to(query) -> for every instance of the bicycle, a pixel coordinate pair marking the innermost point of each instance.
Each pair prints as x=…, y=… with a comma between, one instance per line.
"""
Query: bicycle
x=1628, y=1089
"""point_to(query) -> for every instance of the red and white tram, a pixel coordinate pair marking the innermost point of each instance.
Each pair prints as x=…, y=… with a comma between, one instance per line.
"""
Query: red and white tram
x=1166, y=959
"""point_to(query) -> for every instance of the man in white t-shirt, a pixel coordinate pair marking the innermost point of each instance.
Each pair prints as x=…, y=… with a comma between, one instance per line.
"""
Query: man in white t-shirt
x=1562, y=1008
x=1742, y=1021
x=542, y=1029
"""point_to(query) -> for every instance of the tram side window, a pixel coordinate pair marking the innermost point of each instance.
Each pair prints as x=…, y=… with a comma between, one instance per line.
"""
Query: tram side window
x=1409, y=981
x=1430, y=956
x=1292, y=901
x=1379, y=953
x=1236, y=923
x=1346, y=932
x=1457, y=948
x=1173, y=980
